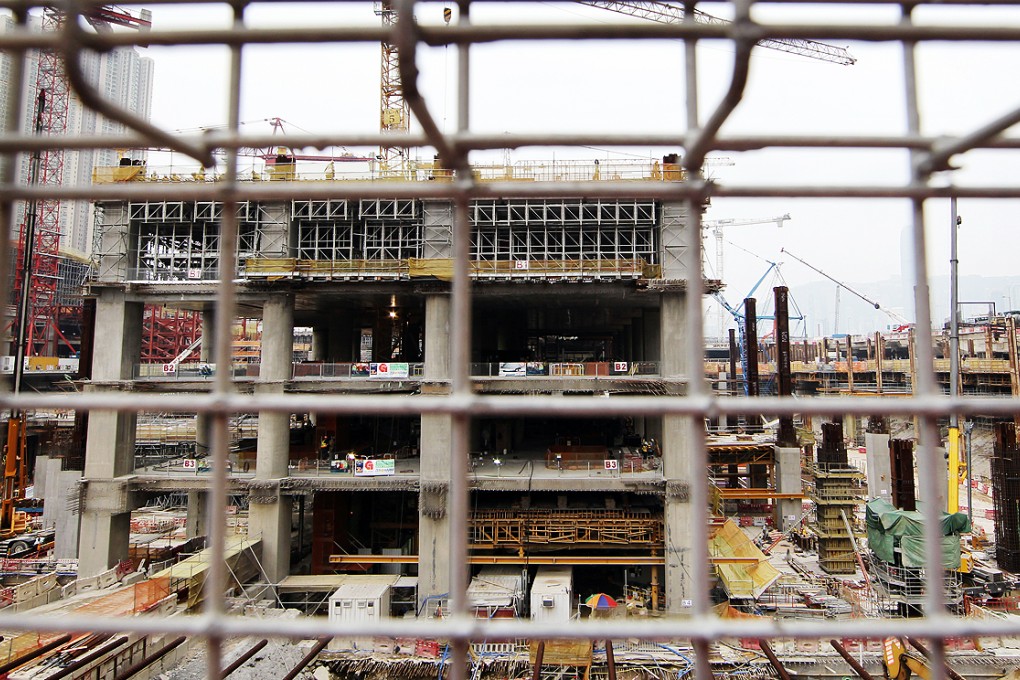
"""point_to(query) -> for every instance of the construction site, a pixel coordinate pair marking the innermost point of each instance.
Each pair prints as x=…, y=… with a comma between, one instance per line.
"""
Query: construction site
x=372, y=416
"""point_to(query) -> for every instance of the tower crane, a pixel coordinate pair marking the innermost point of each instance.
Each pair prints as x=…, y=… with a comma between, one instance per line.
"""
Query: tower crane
x=670, y=13
x=394, y=111
x=716, y=226
x=395, y=114
x=901, y=321
x=38, y=246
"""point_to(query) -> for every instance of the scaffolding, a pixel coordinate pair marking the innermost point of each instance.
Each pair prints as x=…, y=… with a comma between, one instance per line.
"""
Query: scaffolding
x=378, y=230
x=1006, y=482
x=836, y=494
x=900, y=591
x=572, y=229
x=179, y=240
x=518, y=529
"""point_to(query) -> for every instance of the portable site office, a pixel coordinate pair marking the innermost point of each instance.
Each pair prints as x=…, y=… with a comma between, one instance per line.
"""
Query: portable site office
x=552, y=594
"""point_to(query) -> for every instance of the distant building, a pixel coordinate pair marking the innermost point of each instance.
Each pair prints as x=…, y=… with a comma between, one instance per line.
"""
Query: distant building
x=125, y=79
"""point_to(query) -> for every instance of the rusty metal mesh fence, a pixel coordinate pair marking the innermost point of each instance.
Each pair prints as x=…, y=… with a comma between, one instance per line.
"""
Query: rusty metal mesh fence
x=929, y=159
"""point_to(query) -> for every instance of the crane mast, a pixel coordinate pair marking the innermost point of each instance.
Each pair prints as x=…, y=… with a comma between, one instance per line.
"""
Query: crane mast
x=668, y=13
x=394, y=112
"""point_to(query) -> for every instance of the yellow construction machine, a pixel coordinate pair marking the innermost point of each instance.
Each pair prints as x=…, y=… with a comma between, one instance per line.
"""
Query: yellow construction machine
x=900, y=663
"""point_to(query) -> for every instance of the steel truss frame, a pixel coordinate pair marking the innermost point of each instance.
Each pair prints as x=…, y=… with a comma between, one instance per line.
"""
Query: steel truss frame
x=577, y=229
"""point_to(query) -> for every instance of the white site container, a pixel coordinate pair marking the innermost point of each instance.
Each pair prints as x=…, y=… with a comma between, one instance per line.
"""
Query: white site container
x=359, y=600
x=552, y=594
x=497, y=592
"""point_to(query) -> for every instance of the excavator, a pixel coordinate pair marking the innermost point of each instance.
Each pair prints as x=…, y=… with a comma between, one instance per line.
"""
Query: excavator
x=900, y=663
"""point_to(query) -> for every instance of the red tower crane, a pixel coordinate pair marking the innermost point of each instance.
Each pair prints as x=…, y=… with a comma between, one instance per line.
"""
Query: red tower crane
x=36, y=276
x=38, y=327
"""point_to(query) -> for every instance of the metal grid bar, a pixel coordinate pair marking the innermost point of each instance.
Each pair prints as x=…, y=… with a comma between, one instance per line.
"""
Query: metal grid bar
x=929, y=155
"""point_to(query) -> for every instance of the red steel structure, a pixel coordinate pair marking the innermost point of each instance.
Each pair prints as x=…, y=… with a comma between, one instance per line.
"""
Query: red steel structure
x=166, y=332
x=42, y=221
x=50, y=118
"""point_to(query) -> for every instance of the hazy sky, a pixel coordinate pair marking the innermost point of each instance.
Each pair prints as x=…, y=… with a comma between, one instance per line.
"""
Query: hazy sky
x=629, y=87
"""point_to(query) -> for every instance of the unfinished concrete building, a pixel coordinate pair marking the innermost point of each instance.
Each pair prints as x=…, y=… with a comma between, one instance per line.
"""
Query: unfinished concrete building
x=571, y=296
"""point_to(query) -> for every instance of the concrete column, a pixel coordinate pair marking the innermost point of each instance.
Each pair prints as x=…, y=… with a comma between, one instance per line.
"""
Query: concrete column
x=276, y=232
x=269, y=512
x=320, y=344
x=203, y=424
x=196, y=523
x=114, y=256
x=434, y=522
x=879, y=464
x=437, y=229
x=672, y=336
x=110, y=446
x=679, y=515
x=436, y=443
x=343, y=337
x=437, y=337
x=207, y=348
x=677, y=459
x=788, y=480
x=57, y=487
x=850, y=428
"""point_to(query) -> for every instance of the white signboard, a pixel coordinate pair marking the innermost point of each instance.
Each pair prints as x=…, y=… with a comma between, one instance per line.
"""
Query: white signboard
x=169, y=368
x=520, y=264
x=510, y=369
x=194, y=274
x=189, y=464
x=374, y=467
x=620, y=366
x=611, y=464
x=385, y=371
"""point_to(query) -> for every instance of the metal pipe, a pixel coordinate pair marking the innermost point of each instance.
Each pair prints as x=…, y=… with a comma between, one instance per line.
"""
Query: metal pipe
x=703, y=140
x=954, y=309
x=35, y=653
x=309, y=657
x=919, y=646
x=610, y=660
x=150, y=659
x=774, y=660
x=858, y=668
x=241, y=660
x=89, y=658
x=536, y=672
x=530, y=405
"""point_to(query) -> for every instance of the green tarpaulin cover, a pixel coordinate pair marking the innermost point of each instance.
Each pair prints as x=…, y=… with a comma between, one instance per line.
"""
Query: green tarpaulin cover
x=889, y=528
